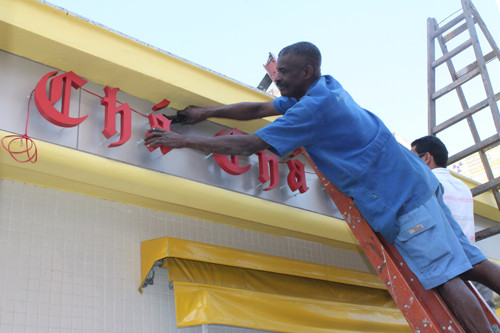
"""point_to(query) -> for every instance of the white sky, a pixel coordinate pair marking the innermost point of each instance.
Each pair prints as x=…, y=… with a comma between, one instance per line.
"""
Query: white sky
x=376, y=49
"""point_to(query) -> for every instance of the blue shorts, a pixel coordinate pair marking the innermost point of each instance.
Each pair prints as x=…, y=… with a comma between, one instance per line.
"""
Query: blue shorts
x=433, y=245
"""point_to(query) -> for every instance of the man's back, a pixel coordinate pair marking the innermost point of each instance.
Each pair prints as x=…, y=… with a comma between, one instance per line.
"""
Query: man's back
x=458, y=198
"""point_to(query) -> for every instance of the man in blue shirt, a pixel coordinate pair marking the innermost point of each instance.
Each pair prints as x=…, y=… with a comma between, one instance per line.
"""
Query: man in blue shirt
x=396, y=193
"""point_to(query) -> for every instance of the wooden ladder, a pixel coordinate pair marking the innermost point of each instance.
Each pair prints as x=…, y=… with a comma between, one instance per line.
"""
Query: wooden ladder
x=462, y=29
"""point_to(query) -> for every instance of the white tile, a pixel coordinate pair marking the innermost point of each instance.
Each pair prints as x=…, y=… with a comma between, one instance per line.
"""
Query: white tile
x=85, y=255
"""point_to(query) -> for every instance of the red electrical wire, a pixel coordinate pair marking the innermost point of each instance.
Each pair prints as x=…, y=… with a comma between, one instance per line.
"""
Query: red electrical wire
x=30, y=151
x=101, y=97
x=31, y=154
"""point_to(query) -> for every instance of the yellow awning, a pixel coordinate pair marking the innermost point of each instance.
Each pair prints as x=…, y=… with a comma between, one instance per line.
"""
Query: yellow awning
x=166, y=247
x=218, y=285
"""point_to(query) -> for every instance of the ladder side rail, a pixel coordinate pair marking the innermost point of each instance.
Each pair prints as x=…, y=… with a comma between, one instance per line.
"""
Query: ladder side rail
x=424, y=310
x=481, y=64
x=460, y=92
x=432, y=300
x=270, y=67
x=492, y=318
x=431, y=75
x=467, y=6
x=485, y=31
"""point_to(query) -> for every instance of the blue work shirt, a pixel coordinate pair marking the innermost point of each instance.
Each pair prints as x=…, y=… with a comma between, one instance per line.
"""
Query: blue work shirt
x=355, y=150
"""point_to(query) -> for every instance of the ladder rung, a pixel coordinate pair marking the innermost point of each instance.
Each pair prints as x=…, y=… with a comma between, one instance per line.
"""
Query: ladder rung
x=449, y=36
x=486, y=233
x=461, y=80
x=448, y=25
x=492, y=184
x=492, y=140
x=491, y=55
x=452, y=53
x=462, y=115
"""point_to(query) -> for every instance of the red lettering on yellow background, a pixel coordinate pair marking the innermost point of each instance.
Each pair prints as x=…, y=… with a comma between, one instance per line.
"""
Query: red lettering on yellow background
x=297, y=177
x=159, y=121
x=60, y=86
x=232, y=166
x=111, y=110
x=268, y=162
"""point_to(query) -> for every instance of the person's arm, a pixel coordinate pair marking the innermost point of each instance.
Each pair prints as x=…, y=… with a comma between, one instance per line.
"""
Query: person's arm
x=238, y=111
x=225, y=144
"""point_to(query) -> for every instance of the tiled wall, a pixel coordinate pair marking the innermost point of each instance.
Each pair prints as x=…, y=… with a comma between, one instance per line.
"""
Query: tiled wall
x=71, y=263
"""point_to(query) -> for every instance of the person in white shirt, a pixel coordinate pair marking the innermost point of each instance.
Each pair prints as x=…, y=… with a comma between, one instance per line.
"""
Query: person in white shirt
x=457, y=195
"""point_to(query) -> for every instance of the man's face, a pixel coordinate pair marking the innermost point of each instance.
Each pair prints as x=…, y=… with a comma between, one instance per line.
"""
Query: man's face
x=291, y=77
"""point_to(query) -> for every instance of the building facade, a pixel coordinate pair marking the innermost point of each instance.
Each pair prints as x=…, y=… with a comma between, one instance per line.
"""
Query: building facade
x=99, y=234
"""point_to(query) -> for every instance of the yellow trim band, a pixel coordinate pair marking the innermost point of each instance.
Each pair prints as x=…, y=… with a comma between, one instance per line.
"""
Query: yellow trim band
x=37, y=31
x=70, y=170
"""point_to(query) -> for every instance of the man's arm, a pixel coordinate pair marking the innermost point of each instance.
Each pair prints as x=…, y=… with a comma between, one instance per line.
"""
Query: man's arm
x=225, y=144
x=238, y=111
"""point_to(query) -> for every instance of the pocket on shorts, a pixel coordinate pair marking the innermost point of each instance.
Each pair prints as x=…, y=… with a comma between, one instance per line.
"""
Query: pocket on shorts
x=418, y=238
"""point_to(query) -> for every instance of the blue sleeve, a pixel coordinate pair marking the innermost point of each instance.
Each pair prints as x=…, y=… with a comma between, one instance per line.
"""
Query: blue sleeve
x=296, y=128
x=281, y=104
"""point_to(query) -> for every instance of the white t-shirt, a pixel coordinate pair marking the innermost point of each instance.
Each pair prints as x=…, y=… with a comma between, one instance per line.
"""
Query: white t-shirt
x=459, y=199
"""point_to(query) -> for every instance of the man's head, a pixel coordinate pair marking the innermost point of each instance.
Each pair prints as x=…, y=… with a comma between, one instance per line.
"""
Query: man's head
x=431, y=150
x=299, y=65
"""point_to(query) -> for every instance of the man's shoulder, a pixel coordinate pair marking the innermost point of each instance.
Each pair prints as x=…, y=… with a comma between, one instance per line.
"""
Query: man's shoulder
x=446, y=178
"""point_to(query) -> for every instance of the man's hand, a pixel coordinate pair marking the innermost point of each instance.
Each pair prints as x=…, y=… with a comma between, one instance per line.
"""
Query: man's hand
x=159, y=137
x=194, y=114
x=238, y=111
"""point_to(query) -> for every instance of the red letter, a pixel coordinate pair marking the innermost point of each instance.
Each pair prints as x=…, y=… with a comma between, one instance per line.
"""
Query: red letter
x=59, y=86
x=268, y=161
x=111, y=110
x=161, y=105
x=231, y=167
x=297, y=177
x=159, y=121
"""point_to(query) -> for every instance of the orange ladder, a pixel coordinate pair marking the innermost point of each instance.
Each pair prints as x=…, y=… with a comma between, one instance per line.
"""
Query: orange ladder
x=424, y=310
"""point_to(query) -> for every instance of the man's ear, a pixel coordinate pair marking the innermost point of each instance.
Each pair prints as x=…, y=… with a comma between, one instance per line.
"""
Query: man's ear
x=308, y=71
x=429, y=160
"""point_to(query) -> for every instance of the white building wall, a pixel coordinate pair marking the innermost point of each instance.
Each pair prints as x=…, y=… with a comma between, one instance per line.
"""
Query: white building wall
x=71, y=263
